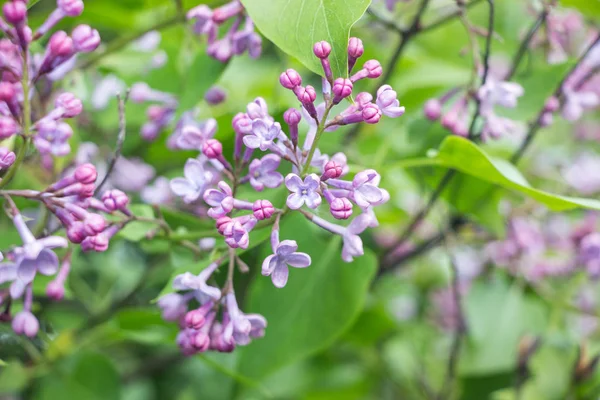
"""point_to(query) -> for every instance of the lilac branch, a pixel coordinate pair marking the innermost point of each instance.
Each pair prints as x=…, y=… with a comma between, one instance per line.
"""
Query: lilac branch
x=526, y=42
x=120, y=140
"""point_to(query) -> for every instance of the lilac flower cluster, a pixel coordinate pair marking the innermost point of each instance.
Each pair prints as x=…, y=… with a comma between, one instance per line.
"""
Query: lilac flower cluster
x=313, y=177
x=579, y=93
x=240, y=36
x=200, y=328
x=459, y=104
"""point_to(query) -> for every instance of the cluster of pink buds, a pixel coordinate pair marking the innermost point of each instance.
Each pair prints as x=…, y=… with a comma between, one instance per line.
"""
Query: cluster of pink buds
x=240, y=36
x=197, y=309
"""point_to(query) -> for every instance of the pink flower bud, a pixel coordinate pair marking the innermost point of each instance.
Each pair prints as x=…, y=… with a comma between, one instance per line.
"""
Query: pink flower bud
x=72, y=105
x=76, y=233
x=200, y=341
x=72, y=8
x=7, y=91
x=332, y=170
x=86, y=173
x=115, y=200
x=15, y=12
x=55, y=290
x=212, y=149
x=355, y=47
x=242, y=123
x=7, y=157
x=306, y=94
x=371, y=114
x=342, y=88
x=60, y=44
x=373, y=68
x=215, y=95
x=432, y=109
x=290, y=79
x=292, y=116
x=25, y=323
x=222, y=224
x=97, y=243
x=341, y=208
x=322, y=49
x=262, y=209
x=552, y=104
x=8, y=127
x=195, y=319
x=449, y=121
x=94, y=224
x=85, y=39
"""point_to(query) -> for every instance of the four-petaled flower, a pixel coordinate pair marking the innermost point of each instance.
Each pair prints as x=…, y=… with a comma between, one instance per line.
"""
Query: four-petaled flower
x=220, y=200
x=353, y=246
x=193, y=185
x=365, y=189
x=263, y=172
x=263, y=134
x=276, y=265
x=303, y=192
x=388, y=103
x=242, y=327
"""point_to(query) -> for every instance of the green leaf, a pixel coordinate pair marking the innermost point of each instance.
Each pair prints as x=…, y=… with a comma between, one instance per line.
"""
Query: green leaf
x=13, y=377
x=460, y=154
x=589, y=8
x=136, y=231
x=498, y=315
x=296, y=25
x=317, y=305
x=202, y=73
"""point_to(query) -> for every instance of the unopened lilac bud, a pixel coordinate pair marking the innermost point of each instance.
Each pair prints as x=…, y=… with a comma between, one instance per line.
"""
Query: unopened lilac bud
x=7, y=91
x=306, y=94
x=98, y=243
x=195, y=319
x=373, y=68
x=371, y=114
x=342, y=88
x=322, y=49
x=85, y=39
x=7, y=157
x=432, y=109
x=25, y=323
x=222, y=223
x=341, y=208
x=362, y=99
x=70, y=104
x=86, y=174
x=72, y=8
x=200, y=341
x=546, y=119
x=449, y=121
x=76, y=232
x=115, y=200
x=355, y=51
x=94, y=224
x=8, y=127
x=242, y=124
x=15, y=12
x=60, y=44
x=262, y=209
x=55, y=290
x=552, y=104
x=215, y=95
x=332, y=170
x=290, y=79
x=212, y=149
x=292, y=117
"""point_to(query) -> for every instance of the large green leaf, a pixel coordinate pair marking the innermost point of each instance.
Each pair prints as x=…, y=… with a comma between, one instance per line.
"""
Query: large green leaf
x=295, y=25
x=589, y=8
x=317, y=305
x=460, y=154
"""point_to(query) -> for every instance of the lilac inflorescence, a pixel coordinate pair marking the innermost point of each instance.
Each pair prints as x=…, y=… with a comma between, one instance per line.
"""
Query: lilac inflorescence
x=263, y=150
x=240, y=37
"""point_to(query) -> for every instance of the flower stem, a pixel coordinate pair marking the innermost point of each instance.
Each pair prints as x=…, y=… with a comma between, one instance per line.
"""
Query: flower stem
x=320, y=130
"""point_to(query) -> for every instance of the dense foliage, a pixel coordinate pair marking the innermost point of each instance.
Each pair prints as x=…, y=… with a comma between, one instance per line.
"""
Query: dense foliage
x=428, y=168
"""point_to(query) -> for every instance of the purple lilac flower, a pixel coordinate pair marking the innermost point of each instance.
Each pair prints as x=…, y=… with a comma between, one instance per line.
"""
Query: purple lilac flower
x=193, y=136
x=582, y=174
x=157, y=193
x=192, y=186
x=285, y=254
x=131, y=174
x=263, y=134
x=242, y=327
x=221, y=200
x=388, y=103
x=303, y=192
x=197, y=283
x=263, y=172
x=52, y=138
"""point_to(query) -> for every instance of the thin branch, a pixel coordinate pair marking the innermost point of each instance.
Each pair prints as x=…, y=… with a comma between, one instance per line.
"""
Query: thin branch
x=525, y=43
x=537, y=124
x=459, y=333
x=422, y=248
x=120, y=140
